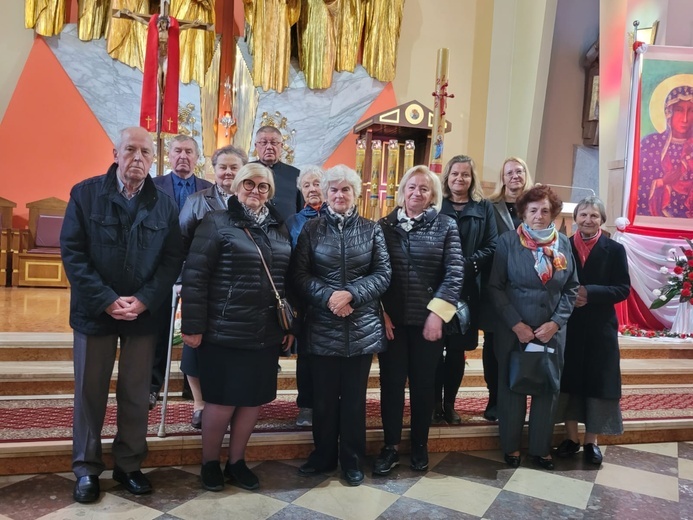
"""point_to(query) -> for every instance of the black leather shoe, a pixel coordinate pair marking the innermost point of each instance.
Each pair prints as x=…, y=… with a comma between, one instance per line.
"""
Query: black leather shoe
x=451, y=416
x=211, y=475
x=134, y=481
x=419, y=457
x=490, y=414
x=153, y=397
x=196, y=421
x=308, y=470
x=593, y=454
x=386, y=461
x=543, y=463
x=513, y=461
x=86, y=489
x=567, y=448
x=438, y=416
x=353, y=477
x=239, y=474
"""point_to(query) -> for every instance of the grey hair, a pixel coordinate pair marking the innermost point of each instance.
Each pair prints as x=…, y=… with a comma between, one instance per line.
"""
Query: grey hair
x=593, y=201
x=339, y=173
x=229, y=150
x=127, y=130
x=254, y=169
x=310, y=169
x=180, y=138
x=433, y=181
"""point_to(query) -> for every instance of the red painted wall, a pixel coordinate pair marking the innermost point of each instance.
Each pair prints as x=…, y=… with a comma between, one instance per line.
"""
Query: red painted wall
x=345, y=153
x=49, y=138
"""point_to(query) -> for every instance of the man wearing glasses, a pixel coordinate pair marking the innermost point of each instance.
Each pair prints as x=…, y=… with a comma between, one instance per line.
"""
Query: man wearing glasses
x=287, y=198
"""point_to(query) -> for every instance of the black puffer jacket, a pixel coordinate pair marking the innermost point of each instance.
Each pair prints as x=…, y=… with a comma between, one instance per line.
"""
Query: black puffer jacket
x=356, y=260
x=226, y=293
x=434, y=245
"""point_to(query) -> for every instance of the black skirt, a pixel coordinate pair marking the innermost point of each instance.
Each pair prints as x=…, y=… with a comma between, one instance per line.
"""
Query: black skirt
x=238, y=377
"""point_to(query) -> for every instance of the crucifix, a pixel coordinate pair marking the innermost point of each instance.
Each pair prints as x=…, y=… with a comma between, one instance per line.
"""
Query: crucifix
x=160, y=85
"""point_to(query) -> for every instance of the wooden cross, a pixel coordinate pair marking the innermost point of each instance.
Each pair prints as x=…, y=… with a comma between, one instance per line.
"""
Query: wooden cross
x=163, y=26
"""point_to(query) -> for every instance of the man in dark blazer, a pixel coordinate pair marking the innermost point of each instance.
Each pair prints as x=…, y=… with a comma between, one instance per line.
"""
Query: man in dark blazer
x=287, y=197
x=183, y=153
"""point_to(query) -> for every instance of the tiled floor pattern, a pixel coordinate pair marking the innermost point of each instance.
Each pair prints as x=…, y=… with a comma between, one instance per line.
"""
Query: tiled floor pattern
x=643, y=481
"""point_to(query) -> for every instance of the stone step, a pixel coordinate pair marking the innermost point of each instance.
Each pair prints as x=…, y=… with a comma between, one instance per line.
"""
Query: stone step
x=49, y=346
x=56, y=377
x=26, y=457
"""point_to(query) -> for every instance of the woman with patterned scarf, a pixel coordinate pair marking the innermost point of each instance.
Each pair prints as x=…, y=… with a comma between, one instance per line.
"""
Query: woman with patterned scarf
x=533, y=286
x=229, y=313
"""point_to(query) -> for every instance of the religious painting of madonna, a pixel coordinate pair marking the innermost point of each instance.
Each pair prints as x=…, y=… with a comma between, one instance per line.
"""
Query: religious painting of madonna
x=665, y=167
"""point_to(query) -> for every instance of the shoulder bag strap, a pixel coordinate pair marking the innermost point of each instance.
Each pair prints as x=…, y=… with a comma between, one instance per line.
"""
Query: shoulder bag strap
x=264, y=264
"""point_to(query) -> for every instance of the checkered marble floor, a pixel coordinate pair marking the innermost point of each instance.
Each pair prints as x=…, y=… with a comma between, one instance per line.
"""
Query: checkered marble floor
x=643, y=481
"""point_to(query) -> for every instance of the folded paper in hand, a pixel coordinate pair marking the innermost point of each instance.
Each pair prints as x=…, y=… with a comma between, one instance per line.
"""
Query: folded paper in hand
x=536, y=347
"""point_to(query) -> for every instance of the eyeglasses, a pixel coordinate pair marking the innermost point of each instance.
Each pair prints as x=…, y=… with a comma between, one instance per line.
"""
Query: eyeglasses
x=264, y=144
x=519, y=172
x=249, y=185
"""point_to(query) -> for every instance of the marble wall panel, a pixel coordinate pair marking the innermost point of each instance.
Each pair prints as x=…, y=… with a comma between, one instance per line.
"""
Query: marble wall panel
x=111, y=89
x=321, y=118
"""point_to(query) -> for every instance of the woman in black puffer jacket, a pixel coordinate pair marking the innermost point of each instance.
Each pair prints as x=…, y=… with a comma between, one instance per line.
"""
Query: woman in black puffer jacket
x=230, y=312
x=425, y=254
x=341, y=268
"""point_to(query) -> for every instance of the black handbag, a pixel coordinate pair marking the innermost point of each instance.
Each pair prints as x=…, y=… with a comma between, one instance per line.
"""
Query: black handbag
x=533, y=373
x=459, y=324
x=286, y=314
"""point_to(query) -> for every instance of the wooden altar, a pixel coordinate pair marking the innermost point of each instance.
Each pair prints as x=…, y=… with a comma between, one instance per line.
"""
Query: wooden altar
x=410, y=122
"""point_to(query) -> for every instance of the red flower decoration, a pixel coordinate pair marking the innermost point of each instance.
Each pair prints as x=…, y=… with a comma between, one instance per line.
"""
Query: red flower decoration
x=678, y=269
x=688, y=253
x=690, y=276
x=686, y=293
x=690, y=263
x=686, y=285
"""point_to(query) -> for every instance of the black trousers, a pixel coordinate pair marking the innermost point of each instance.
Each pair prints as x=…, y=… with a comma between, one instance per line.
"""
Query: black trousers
x=161, y=351
x=490, y=368
x=339, y=410
x=304, y=381
x=449, y=371
x=410, y=356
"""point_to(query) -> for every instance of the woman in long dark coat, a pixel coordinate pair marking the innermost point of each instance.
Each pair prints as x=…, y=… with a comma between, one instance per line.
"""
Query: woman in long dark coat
x=591, y=381
x=463, y=200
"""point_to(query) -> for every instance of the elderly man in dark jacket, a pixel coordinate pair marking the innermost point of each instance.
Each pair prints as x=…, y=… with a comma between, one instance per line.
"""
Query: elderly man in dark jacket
x=121, y=248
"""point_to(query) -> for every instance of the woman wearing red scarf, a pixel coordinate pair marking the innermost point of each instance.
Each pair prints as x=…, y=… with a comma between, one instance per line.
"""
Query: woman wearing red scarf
x=533, y=286
x=591, y=380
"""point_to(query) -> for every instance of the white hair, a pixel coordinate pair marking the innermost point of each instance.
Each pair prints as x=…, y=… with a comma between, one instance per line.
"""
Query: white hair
x=340, y=173
x=310, y=169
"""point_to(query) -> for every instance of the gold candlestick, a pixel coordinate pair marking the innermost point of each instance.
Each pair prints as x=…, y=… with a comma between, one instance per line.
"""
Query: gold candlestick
x=392, y=159
x=360, y=158
x=376, y=165
x=409, y=147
